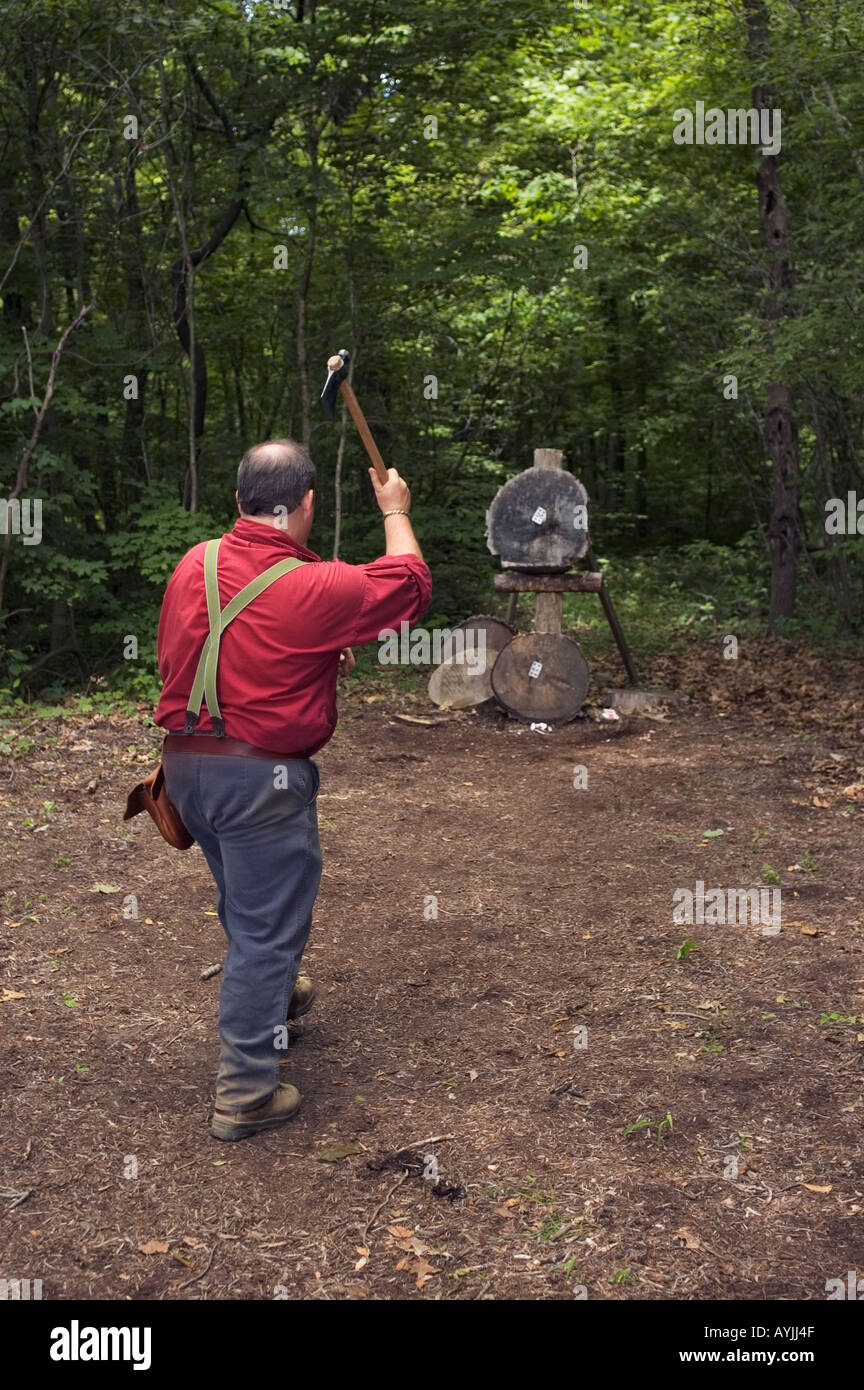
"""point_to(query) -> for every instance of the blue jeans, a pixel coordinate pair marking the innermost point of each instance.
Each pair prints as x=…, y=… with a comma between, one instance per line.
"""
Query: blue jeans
x=257, y=824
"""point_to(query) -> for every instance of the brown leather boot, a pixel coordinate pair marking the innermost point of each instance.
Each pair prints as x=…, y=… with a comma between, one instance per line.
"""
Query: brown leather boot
x=302, y=999
x=282, y=1105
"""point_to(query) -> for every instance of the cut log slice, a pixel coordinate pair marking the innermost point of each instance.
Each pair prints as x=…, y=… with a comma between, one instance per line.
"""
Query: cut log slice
x=541, y=677
x=538, y=521
x=460, y=683
x=456, y=684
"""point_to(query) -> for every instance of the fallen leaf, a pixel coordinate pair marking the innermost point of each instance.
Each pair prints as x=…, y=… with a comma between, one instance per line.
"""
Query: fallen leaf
x=154, y=1247
x=361, y=1263
x=337, y=1151
x=403, y=1232
x=814, y=1187
x=361, y=1249
x=811, y=931
x=9, y=994
x=415, y=1246
x=691, y=1240
x=104, y=888
x=423, y=1270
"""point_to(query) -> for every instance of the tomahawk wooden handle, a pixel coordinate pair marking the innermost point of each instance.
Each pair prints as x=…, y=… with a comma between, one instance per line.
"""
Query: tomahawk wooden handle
x=364, y=431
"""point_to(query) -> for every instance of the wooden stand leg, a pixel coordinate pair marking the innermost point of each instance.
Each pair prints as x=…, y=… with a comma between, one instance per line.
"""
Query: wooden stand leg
x=614, y=623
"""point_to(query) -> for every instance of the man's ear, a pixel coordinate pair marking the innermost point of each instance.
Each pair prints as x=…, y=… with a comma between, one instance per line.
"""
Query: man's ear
x=237, y=500
x=308, y=503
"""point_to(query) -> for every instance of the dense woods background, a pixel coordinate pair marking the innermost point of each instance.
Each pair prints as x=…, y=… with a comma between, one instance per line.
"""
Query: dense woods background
x=208, y=199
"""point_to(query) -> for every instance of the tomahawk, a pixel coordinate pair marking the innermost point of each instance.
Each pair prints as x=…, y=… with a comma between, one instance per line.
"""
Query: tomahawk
x=337, y=383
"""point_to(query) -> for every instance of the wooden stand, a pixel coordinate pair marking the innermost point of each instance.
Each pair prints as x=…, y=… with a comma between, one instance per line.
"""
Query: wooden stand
x=537, y=525
x=550, y=588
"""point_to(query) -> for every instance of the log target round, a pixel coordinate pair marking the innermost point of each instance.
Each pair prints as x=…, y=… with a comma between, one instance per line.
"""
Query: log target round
x=541, y=677
x=538, y=521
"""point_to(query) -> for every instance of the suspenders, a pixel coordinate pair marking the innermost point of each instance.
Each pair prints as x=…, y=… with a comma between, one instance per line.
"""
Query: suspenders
x=204, y=685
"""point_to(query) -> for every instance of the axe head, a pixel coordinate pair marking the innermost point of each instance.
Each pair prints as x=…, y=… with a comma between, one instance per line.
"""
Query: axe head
x=336, y=374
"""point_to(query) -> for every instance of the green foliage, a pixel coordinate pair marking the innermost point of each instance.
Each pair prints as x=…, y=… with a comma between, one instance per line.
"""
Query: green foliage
x=160, y=532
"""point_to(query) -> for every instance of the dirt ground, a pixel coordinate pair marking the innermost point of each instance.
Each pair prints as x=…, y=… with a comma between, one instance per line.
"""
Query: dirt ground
x=737, y=1069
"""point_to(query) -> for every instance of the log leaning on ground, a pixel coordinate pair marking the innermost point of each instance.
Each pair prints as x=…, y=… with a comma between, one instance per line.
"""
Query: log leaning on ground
x=453, y=685
x=541, y=676
x=460, y=685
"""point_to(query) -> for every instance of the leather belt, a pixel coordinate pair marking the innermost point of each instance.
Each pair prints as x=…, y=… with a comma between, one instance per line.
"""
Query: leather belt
x=222, y=747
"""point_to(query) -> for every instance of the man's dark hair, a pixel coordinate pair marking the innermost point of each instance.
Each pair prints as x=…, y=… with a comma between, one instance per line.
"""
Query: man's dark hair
x=278, y=473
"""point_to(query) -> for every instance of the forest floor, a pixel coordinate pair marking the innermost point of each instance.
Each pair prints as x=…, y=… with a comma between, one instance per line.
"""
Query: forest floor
x=737, y=1069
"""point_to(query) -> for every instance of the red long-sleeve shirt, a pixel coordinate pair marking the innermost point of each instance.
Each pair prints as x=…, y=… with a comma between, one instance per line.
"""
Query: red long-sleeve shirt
x=278, y=659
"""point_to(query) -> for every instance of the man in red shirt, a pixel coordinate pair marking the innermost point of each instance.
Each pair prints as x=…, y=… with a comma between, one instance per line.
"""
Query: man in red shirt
x=241, y=776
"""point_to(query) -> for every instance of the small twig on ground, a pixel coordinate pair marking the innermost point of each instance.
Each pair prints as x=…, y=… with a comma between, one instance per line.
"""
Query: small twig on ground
x=418, y=1143
x=381, y=1205
x=29, y=725
x=19, y=1197
x=205, y=1270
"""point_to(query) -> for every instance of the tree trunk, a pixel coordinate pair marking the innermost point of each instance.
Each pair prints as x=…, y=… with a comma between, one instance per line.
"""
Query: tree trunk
x=136, y=319
x=36, y=145
x=780, y=425
x=352, y=317
x=616, y=458
x=303, y=295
